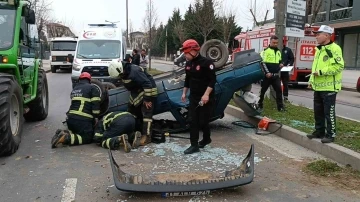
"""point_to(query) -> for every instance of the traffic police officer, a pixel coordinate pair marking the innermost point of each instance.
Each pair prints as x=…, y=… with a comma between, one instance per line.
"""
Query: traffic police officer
x=115, y=129
x=143, y=92
x=200, y=79
x=326, y=80
x=272, y=58
x=82, y=115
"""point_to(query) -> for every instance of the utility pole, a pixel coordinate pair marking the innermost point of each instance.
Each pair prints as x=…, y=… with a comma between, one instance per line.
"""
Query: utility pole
x=254, y=15
x=280, y=21
x=166, y=41
x=127, y=23
x=150, y=23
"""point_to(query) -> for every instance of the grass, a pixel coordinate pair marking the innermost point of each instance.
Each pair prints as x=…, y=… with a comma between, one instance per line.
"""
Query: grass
x=326, y=168
x=154, y=72
x=302, y=118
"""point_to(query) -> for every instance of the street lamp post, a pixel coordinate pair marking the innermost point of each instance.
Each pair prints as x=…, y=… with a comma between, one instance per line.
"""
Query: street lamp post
x=150, y=19
x=166, y=42
x=127, y=22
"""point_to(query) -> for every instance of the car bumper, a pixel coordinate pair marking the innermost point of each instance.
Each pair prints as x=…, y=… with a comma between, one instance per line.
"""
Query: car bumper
x=242, y=175
x=67, y=64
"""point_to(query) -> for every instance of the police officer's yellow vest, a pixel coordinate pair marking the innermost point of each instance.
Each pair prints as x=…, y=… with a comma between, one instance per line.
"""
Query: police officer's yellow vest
x=329, y=64
x=269, y=56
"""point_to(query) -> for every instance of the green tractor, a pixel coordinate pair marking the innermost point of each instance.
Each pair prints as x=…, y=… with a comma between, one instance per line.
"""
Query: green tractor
x=23, y=84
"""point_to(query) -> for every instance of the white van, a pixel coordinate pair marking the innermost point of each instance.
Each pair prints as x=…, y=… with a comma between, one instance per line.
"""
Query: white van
x=60, y=48
x=97, y=47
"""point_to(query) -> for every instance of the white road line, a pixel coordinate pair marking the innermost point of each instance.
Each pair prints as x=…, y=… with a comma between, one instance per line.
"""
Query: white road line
x=69, y=190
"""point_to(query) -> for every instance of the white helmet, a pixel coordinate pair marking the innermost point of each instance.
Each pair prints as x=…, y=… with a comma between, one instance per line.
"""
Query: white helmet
x=115, y=69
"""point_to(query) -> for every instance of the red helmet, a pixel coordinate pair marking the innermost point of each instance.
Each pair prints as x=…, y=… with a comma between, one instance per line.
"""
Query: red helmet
x=189, y=45
x=85, y=75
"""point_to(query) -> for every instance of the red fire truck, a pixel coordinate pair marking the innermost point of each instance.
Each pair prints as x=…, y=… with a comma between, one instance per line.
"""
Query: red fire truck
x=303, y=49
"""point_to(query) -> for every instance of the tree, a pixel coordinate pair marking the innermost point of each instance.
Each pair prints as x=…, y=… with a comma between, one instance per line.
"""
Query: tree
x=150, y=21
x=227, y=22
x=42, y=10
x=178, y=26
x=314, y=6
x=257, y=12
x=204, y=17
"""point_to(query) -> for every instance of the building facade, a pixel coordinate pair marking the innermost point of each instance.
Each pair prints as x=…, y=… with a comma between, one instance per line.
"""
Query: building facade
x=344, y=16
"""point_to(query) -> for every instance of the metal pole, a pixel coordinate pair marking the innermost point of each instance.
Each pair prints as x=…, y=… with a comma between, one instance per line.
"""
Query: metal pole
x=166, y=38
x=150, y=22
x=127, y=23
x=280, y=21
x=255, y=15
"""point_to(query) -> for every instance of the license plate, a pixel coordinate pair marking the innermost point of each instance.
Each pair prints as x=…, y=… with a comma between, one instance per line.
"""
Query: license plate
x=188, y=193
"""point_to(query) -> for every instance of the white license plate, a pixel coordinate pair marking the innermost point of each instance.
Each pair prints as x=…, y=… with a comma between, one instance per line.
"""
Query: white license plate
x=188, y=193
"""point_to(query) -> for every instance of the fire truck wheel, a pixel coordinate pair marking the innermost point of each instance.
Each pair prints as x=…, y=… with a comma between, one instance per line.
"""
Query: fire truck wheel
x=215, y=50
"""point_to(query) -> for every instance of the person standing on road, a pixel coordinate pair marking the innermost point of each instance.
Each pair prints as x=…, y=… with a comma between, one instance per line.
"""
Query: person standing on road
x=287, y=60
x=116, y=129
x=272, y=58
x=82, y=115
x=326, y=80
x=143, y=93
x=200, y=79
x=135, y=58
x=144, y=60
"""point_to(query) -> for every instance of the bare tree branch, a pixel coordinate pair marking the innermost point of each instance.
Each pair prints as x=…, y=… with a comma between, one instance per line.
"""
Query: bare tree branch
x=316, y=7
x=227, y=22
x=150, y=18
x=258, y=11
x=42, y=10
x=179, y=28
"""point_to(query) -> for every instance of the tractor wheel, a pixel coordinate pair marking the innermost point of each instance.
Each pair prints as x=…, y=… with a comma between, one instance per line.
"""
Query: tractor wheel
x=39, y=107
x=53, y=69
x=11, y=115
x=215, y=50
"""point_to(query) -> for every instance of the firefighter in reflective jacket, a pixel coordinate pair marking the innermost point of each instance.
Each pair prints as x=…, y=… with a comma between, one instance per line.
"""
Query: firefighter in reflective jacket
x=143, y=93
x=117, y=129
x=82, y=115
x=272, y=58
x=326, y=80
x=200, y=79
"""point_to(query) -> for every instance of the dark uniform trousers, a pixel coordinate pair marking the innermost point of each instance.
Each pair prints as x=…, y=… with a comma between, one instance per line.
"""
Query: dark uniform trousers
x=275, y=82
x=143, y=117
x=107, y=133
x=81, y=131
x=324, y=109
x=199, y=118
x=285, y=77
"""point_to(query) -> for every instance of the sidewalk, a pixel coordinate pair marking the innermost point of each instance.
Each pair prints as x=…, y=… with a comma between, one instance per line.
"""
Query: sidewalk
x=162, y=62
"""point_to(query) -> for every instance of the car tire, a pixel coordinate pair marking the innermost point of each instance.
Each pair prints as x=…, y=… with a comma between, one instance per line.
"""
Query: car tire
x=53, y=69
x=215, y=50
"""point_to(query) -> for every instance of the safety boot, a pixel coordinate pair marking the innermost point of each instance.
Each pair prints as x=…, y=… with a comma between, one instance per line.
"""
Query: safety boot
x=145, y=139
x=60, y=137
x=134, y=139
x=123, y=140
x=204, y=142
x=192, y=149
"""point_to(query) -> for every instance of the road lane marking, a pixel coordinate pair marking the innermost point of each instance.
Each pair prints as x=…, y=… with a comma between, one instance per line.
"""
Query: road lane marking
x=69, y=190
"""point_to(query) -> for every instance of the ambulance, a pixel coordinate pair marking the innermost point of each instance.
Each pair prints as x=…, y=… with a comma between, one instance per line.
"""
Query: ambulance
x=98, y=45
x=303, y=49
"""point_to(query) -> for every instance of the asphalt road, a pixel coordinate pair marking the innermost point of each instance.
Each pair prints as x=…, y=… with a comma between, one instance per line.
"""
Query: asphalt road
x=38, y=173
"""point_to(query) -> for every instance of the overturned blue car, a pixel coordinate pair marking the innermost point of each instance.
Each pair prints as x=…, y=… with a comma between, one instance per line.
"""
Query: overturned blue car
x=246, y=69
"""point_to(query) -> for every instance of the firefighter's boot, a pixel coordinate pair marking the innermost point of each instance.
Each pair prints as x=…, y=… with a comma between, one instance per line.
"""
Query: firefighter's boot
x=124, y=141
x=134, y=139
x=60, y=137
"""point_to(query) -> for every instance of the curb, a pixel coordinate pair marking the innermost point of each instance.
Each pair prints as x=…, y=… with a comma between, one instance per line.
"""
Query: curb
x=333, y=151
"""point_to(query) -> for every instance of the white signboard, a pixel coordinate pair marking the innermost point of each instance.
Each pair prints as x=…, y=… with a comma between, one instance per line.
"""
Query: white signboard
x=295, y=18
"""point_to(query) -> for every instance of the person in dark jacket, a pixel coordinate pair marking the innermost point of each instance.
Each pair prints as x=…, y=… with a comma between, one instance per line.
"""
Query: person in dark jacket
x=143, y=93
x=200, y=79
x=287, y=60
x=135, y=58
x=272, y=58
x=116, y=129
x=82, y=115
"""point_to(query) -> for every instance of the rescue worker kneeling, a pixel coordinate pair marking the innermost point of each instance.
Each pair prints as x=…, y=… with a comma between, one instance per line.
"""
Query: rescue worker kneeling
x=82, y=115
x=143, y=93
x=117, y=129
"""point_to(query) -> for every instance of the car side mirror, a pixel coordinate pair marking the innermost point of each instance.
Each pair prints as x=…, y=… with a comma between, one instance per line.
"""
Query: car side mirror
x=70, y=58
x=30, y=17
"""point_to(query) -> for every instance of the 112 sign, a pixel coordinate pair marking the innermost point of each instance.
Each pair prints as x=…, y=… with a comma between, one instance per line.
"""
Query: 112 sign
x=307, y=52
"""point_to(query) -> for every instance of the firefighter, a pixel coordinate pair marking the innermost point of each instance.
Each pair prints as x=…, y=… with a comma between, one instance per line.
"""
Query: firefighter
x=288, y=60
x=200, y=79
x=143, y=93
x=326, y=80
x=82, y=115
x=272, y=58
x=115, y=129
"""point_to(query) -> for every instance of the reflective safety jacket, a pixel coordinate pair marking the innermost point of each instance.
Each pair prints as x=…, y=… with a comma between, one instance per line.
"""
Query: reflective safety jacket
x=329, y=64
x=272, y=59
x=106, y=122
x=141, y=85
x=85, y=101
